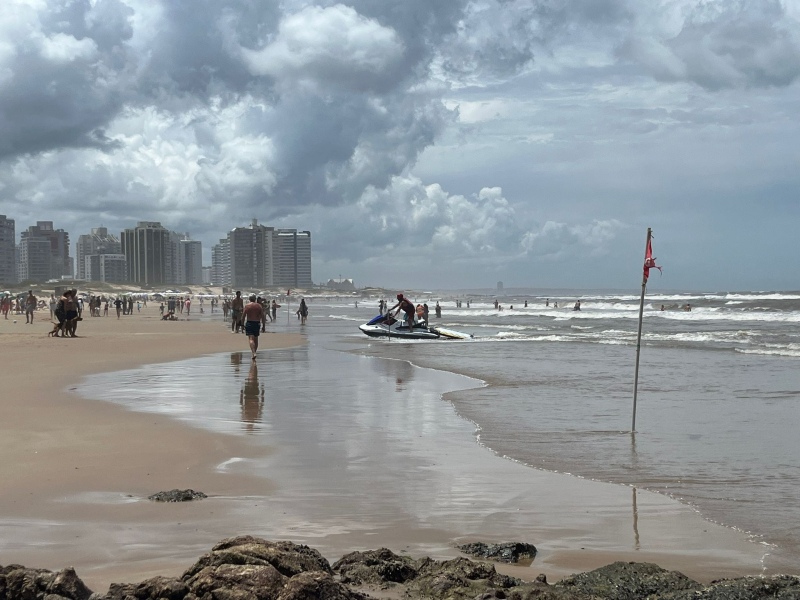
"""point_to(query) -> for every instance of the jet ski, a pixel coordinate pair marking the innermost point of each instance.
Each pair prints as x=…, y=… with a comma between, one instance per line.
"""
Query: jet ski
x=388, y=326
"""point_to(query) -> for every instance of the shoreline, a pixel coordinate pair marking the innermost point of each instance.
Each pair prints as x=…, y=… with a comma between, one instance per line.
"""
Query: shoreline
x=51, y=493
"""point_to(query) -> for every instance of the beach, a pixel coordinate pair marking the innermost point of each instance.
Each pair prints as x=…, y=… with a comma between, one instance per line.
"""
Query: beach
x=58, y=445
x=360, y=467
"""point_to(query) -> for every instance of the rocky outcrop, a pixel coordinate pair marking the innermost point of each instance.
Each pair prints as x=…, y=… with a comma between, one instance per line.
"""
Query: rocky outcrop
x=177, y=496
x=251, y=568
x=626, y=580
x=510, y=552
x=20, y=583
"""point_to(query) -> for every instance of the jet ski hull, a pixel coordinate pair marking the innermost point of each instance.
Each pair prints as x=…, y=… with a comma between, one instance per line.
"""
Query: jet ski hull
x=417, y=333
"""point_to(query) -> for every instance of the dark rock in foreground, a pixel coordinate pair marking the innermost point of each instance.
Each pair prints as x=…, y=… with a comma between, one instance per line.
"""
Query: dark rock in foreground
x=177, y=496
x=511, y=552
x=251, y=568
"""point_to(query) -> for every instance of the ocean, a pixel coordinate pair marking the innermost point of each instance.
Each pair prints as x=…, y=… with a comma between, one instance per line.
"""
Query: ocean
x=718, y=396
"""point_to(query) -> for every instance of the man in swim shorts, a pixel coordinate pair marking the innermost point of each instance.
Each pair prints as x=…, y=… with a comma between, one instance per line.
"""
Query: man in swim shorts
x=253, y=313
x=237, y=304
x=30, y=306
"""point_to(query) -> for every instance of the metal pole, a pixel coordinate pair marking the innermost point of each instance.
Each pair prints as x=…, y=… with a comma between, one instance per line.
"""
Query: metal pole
x=639, y=338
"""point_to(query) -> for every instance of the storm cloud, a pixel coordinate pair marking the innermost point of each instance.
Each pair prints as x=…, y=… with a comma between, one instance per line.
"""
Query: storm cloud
x=532, y=141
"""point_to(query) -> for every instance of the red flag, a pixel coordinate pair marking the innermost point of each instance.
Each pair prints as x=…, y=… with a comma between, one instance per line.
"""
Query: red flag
x=649, y=261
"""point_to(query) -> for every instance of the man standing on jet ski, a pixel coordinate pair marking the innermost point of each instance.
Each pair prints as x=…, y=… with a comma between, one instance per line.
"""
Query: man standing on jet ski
x=407, y=307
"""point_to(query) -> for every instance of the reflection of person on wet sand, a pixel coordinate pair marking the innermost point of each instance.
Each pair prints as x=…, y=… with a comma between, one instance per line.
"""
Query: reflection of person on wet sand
x=251, y=398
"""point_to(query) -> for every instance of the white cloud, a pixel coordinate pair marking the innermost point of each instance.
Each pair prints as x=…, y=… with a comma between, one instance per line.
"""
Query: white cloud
x=328, y=44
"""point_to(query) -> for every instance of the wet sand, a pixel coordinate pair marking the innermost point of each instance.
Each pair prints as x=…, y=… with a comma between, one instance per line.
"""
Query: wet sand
x=57, y=446
x=76, y=471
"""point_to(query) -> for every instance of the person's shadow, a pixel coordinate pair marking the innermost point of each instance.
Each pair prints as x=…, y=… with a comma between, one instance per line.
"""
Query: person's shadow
x=251, y=399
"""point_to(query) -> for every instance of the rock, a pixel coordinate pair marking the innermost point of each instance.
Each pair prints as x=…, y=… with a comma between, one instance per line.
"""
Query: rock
x=251, y=568
x=237, y=582
x=167, y=588
x=20, y=583
x=627, y=581
x=377, y=567
x=317, y=586
x=288, y=558
x=67, y=584
x=510, y=552
x=785, y=587
x=177, y=496
x=456, y=579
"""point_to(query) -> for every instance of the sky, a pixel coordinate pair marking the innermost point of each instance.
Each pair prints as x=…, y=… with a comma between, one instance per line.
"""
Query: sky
x=425, y=144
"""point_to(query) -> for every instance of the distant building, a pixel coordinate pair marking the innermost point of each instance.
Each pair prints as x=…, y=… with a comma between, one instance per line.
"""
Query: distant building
x=341, y=285
x=250, y=256
x=292, y=258
x=145, y=250
x=99, y=241
x=206, y=275
x=259, y=257
x=8, y=251
x=184, y=260
x=108, y=268
x=221, y=263
x=43, y=253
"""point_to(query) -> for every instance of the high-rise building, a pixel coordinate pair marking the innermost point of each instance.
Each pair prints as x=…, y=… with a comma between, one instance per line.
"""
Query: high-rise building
x=292, y=257
x=190, y=262
x=108, y=268
x=34, y=260
x=99, y=241
x=259, y=257
x=8, y=241
x=251, y=256
x=221, y=263
x=43, y=253
x=145, y=248
x=184, y=260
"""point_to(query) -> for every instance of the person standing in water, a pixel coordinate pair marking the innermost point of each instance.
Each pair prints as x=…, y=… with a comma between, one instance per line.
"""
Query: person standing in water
x=252, y=315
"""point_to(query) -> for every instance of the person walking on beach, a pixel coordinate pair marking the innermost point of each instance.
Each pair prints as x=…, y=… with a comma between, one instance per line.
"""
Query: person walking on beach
x=303, y=310
x=118, y=305
x=275, y=307
x=265, y=316
x=253, y=313
x=30, y=306
x=237, y=306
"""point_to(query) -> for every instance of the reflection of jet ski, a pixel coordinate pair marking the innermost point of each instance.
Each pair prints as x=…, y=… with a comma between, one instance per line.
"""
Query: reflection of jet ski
x=388, y=326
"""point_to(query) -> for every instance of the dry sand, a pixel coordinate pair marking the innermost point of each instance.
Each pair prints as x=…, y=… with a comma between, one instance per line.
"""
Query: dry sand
x=74, y=473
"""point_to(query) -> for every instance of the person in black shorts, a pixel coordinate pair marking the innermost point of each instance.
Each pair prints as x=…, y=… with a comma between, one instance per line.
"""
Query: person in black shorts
x=252, y=315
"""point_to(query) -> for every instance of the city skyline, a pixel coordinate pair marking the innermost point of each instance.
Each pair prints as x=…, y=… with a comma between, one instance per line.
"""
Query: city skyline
x=150, y=254
x=426, y=145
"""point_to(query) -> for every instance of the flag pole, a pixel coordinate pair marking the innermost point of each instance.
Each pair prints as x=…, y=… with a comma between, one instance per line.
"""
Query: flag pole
x=639, y=336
